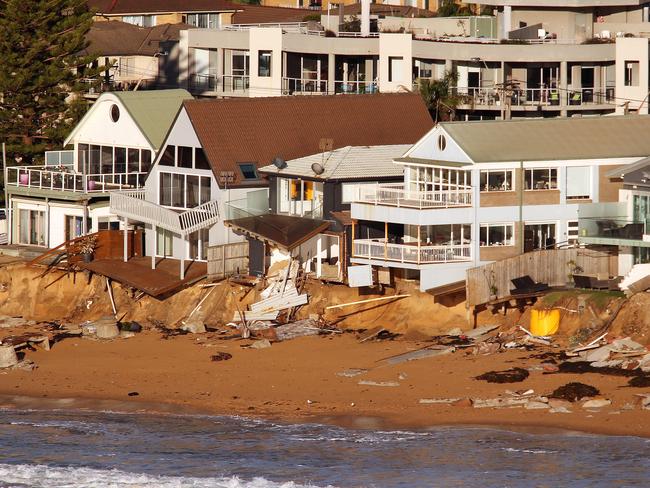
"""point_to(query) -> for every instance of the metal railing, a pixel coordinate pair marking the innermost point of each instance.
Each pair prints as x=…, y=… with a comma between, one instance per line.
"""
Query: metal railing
x=42, y=178
x=133, y=205
x=223, y=83
x=299, y=27
x=395, y=195
x=410, y=253
x=302, y=85
x=355, y=87
x=522, y=97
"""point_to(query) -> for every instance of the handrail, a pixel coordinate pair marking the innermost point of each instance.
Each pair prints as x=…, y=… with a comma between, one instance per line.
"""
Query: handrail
x=395, y=195
x=133, y=205
x=43, y=178
x=409, y=253
x=66, y=244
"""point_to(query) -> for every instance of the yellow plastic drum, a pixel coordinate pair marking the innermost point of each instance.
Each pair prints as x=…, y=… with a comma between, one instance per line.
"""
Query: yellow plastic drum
x=544, y=322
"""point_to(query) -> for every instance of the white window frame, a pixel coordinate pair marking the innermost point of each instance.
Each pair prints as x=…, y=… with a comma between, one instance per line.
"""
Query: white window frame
x=185, y=175
x=504, y=225
x=528, y=174
x=487, y=179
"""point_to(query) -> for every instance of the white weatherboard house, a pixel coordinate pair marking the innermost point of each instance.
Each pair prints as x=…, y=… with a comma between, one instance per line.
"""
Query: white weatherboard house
x=114, y=146
x=476, y=192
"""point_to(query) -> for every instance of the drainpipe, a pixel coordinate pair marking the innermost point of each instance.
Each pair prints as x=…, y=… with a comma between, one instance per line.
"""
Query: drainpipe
x=521, y=207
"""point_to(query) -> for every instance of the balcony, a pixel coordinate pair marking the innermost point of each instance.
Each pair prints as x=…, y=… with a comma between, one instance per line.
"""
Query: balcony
x=225, y=84
x=522, y=98
x=302, y=86
x=64, y=178
x=411, y=253
x=609, y=223
x=394, y=195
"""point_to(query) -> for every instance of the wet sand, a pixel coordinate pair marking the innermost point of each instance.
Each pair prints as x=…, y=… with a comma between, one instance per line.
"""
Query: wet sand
x=297, y=381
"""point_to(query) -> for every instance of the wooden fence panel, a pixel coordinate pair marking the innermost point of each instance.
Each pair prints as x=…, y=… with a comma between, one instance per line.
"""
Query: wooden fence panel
x=553, y=266
x=227, y=260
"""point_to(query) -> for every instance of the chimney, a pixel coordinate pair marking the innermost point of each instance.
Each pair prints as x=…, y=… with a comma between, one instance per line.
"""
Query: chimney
x=365, y=18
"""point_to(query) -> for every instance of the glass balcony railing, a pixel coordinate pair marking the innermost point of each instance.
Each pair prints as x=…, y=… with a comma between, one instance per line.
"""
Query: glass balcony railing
x=609, y=221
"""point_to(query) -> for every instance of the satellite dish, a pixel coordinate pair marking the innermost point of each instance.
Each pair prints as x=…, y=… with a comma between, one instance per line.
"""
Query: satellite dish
x=279, y=163
x=318, y=168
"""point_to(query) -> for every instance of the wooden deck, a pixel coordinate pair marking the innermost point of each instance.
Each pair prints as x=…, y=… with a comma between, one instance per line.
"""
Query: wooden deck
x=137, y=273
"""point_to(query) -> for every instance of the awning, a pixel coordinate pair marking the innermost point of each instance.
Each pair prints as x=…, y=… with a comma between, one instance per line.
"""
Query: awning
x=284, y=231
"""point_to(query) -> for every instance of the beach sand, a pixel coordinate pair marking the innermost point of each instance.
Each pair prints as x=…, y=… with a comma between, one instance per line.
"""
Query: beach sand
x=297, y=381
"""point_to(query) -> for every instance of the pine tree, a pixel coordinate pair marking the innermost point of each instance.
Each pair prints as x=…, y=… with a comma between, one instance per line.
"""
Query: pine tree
x=41, y=47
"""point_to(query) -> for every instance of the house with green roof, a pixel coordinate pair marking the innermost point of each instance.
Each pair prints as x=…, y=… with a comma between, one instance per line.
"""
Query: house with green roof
x=483, y=191
x=111, y=148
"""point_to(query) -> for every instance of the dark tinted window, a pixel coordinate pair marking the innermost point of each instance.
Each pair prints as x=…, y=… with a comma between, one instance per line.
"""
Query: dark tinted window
x=168, y=157
x=184, y=157
x=248, y=171
x=200, y=160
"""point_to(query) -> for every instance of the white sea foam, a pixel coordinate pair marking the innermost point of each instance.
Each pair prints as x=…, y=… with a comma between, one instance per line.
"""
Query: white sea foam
x=41, y=476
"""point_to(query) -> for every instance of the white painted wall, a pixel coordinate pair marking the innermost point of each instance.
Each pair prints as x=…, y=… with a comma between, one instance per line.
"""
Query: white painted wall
x=632, y=49
x=266, y=39
x=395, y=46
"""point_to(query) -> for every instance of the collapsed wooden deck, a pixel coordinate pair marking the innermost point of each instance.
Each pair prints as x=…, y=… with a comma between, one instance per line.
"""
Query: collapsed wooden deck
x=137, y=273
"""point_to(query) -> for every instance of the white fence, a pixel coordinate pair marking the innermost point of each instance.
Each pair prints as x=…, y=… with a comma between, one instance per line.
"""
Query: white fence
x=410, y=253
x=395, y=195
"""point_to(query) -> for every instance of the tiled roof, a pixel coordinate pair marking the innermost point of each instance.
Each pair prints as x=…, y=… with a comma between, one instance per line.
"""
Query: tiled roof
x=348, y=163
x=256, y=130
x=121, y=39
x=553, y=139
x=255, y=14
x=124, y=7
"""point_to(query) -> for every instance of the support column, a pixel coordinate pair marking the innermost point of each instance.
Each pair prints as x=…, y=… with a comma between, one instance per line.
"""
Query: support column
x=385, y=240
x=183, y=256
x=84, y=224
x=155, y=246
x=126, y=239
x=506, y=22
x=319, y=250
x=419, y=239
x=331, y=74
x=564, y=88
x=47, y=223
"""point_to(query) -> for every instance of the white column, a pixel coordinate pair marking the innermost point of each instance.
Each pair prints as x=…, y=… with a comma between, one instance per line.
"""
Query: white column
x=154, y=247
x=507, y=21
x=319, y=250
x=184, y=253
x=126, y=239
x=365, y=17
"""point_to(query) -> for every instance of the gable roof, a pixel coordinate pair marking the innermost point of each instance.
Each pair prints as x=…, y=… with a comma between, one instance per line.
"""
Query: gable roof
x=115, y=38
x=552, y=139
x=123, y=7
x=255, y=130
x=347, y=163
x=153, y=111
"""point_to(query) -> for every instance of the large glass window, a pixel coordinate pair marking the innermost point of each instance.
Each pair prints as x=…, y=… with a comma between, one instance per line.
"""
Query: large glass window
x=541, y=179
x=94, y=156
x=120, y=160
x=107, y=159
x=168, y=157
x=264, y=63
x=200, y=160
x=145, y=160
x=497, y=180
x=497, y=235
x=183, y=191
x=31, y=227
x=134, y=160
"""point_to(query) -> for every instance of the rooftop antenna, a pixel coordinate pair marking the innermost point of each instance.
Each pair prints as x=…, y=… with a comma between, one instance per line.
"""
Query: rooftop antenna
x=324, y=145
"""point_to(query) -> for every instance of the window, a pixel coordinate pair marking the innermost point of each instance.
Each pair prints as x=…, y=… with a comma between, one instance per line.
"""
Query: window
x=74, y=226
x=631, y=73
x=120, y=160
x=442, y=142
x=140, y=20
x=107, y=159
x=248, y=171
x=395, y=68
x=31, y=227
x=134, y=160
x=541, y=179
x=264, y=63
x=164, y=242
x=115, y=113
x=184, y=157
x=240, y=63
x=497, y=235
x=145, y=160
x=578, y=182
x=497, y=180
x=572, y=232
x=183, y=191
x=200, y=160
x=169, y=156
x=204, y=21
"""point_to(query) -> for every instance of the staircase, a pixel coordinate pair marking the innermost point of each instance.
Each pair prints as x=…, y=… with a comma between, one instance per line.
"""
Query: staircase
x=132, y=205
x=637, y=279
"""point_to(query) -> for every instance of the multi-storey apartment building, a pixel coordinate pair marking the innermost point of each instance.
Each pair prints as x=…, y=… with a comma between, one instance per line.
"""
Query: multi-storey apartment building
x=475, y=192
x=531, y=59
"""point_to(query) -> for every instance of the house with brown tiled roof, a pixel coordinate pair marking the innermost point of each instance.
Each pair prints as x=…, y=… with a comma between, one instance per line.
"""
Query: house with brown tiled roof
x=214, y=149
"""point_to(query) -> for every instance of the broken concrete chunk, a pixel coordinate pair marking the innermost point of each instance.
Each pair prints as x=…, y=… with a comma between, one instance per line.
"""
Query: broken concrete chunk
x=261, y=344
x=499, y=402
x=535, y=405
x=194, y=326
x=8, y=357
x=378, y=383
x=437, y=401
x=559, y=410
x=349, y=373
x=596, y=403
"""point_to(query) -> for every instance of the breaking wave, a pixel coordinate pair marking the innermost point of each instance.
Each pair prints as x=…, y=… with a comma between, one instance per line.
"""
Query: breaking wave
x=41, y=476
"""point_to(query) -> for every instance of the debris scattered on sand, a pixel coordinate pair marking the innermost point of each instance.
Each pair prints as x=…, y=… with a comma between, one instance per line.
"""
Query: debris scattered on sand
x=261, y=344
x=221, y=356
x=513, y=375
x=574, y=391
x=438, y=401
x=596, y=403
x=378, y=383
x=8, y=356
x=350, y=373
x=103, y=328
x=640, y=382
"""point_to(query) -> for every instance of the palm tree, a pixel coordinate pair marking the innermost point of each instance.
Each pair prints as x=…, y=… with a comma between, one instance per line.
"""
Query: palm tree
x=438, y=96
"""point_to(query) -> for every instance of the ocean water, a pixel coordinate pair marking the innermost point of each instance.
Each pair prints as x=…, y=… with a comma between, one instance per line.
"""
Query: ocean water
x=86, y=449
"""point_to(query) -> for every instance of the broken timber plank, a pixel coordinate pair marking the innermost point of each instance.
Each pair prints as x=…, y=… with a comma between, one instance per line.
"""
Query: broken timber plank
x=366, y=301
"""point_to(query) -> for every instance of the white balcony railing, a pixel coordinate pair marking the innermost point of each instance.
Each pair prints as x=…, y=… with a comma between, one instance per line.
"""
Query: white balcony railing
x=395, y=195
x=355, y=86
x=492, y=96
x=202, y=83
x=410, y=253
x=49, y=178
x=133, y=205
x=303, y=85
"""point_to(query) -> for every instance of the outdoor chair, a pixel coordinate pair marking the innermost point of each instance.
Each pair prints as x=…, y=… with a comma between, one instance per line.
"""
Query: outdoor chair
x=525, y=284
